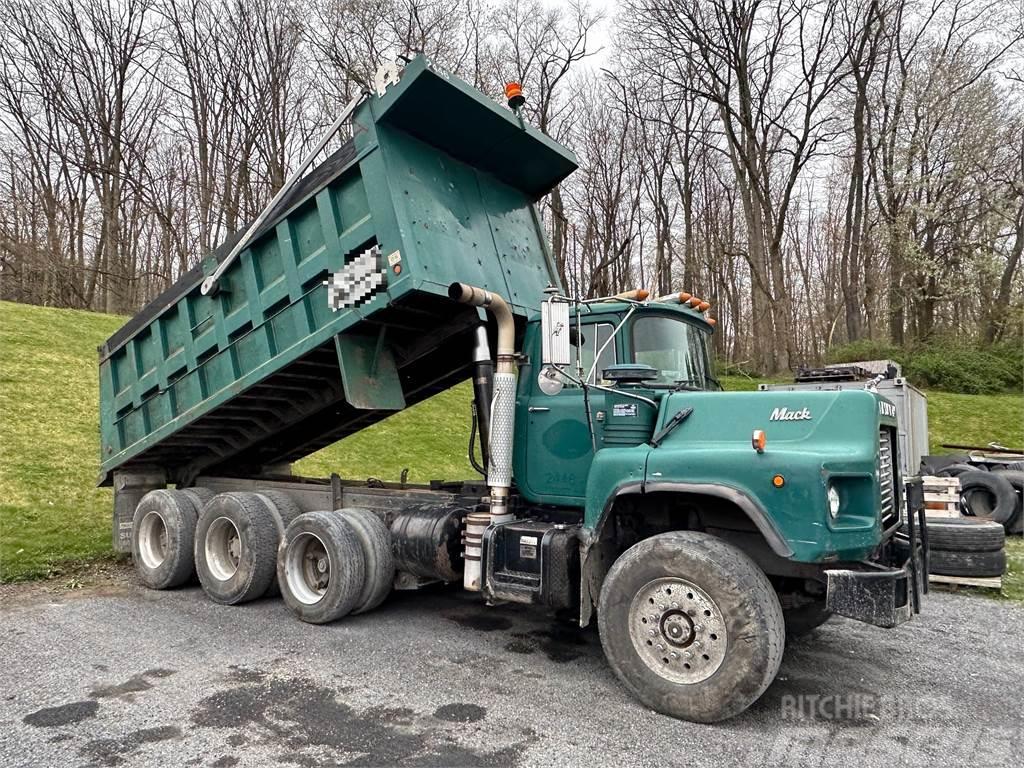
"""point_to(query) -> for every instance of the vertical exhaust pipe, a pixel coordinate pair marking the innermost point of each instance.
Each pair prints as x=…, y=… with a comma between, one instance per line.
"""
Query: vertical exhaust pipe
x=501, y=417
x=483, y=389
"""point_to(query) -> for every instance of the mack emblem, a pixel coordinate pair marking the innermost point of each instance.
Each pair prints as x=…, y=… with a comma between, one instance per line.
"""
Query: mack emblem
x=785, y=414
x=886, y=409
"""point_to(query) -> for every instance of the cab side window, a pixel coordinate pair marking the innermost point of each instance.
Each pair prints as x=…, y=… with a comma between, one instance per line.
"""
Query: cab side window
x=594, y=336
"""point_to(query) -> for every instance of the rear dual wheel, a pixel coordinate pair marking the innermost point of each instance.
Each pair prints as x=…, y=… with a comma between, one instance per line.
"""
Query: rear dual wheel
x=236, y=545
x=163, y=531
x=331, y=564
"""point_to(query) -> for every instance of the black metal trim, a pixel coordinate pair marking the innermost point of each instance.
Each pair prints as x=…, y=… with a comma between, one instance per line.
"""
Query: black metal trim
x=750, y=507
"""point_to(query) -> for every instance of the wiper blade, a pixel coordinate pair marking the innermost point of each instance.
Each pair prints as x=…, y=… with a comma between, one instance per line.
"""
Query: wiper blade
x=672, y=423
x=687, y=384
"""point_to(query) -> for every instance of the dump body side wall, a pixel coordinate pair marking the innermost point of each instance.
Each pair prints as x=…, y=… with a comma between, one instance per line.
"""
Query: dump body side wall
x=252, y=374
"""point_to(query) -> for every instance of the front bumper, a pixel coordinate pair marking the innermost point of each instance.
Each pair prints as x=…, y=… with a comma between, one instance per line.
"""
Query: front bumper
x=886, y=591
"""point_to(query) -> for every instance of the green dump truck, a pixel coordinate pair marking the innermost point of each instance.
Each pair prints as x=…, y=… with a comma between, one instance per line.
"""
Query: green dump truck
x=618, y=483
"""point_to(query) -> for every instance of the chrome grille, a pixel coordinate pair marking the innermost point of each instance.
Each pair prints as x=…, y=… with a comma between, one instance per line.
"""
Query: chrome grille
x=886, y=473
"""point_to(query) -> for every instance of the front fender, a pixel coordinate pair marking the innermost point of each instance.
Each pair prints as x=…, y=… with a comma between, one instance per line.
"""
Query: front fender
x=596, y=556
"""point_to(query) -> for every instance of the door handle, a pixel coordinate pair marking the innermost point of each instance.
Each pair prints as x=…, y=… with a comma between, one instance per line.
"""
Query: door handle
x=538, y=409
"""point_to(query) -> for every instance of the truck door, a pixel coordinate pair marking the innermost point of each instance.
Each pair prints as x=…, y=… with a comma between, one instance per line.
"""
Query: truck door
x=558, y=446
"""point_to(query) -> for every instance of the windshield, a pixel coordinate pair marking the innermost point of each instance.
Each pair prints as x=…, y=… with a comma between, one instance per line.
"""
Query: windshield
x=675, y=348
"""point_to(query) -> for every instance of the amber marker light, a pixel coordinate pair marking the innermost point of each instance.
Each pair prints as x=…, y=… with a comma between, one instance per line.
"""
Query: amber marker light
x=704, y=306
x=711, y=321
x=637, y=294
x=778, y=480
x=759, y=440
x=514, y=94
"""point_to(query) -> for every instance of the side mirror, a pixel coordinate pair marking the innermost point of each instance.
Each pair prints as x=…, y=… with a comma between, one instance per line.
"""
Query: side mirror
x=550, y=381
x=555, y=327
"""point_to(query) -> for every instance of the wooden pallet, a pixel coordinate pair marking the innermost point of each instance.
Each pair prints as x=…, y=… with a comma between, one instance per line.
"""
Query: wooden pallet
x=986, y=582
x=941, y=496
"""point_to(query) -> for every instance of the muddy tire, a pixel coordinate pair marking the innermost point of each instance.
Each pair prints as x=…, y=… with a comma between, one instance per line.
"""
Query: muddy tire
x=982, y=564
x=236, y=547
x=163, y=531
x=375, y=539
x=285, y=510
x=321, y=568
x=284, y=504
x=199, y=496
x=691, y=626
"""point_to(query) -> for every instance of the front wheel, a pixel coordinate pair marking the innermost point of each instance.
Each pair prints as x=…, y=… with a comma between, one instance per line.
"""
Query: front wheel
x=691, y=626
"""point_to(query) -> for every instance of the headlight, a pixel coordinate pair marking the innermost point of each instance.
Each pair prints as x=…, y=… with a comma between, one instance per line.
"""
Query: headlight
x=833, y=501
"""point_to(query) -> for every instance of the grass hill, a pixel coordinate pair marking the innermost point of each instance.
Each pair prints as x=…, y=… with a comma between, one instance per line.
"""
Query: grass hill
x=51, y=511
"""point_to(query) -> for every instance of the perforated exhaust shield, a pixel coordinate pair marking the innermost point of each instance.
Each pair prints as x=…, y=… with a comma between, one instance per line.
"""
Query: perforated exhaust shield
x=499, y=473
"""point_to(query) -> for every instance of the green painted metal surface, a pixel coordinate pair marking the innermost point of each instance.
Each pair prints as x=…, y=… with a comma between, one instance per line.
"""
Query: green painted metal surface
x=441, y=179
x=837, y=442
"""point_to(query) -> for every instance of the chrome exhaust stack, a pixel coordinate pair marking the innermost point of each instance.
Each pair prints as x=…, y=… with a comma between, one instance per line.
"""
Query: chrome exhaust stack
x=502, y=428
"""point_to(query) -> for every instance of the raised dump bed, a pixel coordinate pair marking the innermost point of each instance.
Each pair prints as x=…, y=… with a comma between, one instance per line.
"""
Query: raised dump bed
x=436, y=186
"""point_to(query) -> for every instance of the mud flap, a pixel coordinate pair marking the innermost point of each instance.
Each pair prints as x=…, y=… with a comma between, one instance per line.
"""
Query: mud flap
x=369, y=374
x=879, y=597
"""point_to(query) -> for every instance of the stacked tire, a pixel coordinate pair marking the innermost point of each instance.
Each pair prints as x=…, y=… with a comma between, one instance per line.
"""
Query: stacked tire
x=1015, y=475
x=966, y=547
x=994, y=496
x=243, y=546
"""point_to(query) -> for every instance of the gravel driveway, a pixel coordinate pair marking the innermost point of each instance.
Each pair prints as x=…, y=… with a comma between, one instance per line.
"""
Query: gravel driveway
x=122, y=676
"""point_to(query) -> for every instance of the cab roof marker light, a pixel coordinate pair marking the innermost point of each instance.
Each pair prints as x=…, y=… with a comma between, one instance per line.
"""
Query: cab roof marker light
x=637, y=294
x=704, y=306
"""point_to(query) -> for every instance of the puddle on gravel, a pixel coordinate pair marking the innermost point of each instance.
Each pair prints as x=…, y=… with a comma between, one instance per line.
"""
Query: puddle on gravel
x=134, y=684
x=460, y=713
x=302, y=715
x=559, y=643
x=481, y=622
x=65, y=714
x=114, y=751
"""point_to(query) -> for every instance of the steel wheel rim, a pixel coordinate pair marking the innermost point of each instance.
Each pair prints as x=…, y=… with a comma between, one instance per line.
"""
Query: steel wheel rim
x=153, y=540
x=223, y=548
x=678, y=630
x=307, y=568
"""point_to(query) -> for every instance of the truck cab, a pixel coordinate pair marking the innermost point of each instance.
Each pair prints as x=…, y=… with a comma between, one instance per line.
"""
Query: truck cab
x=553, y=460
x=634, y=441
